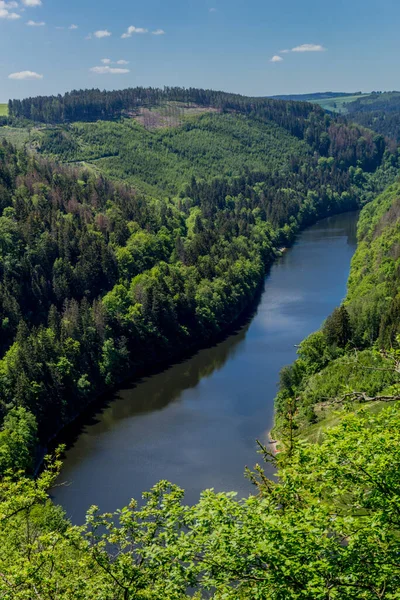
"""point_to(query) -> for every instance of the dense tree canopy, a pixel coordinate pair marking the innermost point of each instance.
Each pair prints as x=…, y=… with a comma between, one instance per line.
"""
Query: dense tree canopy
x=93, y=105
x=99, y=278
x=377, y=111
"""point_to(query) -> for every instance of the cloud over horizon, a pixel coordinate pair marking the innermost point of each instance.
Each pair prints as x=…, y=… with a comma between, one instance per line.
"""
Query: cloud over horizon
x=106, y=70
x=276, y=59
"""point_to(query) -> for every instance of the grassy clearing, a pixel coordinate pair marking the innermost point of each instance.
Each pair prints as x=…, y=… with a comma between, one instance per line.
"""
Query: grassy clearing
x=18, y=137
x=339, y=104
x=3, y=110
x=314, y=433
x=170, y=114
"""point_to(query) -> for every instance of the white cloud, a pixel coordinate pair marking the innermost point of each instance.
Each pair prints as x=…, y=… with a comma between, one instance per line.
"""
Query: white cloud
x=5, y=11
x=36, y=23
x=23, y=75
x=276, y=59
x=109, y=71
x=102, y=33
x=131, y=30
x=284, y=51
x=158, y=32
x=108, y=61
x=32, y=2
x=309, y=48
x=11, y=16
x=73, y=26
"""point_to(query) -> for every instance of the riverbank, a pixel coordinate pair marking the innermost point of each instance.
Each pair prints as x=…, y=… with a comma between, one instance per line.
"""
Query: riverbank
x=196, y=422
x=148, y=367
x=351, y=363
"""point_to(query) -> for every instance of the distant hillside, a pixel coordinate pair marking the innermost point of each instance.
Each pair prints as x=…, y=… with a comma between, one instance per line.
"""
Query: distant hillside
x=379, y=111
x=387, y=101
x=159, y=148
x=331, y=101
x=95, y=105
x=315, y=97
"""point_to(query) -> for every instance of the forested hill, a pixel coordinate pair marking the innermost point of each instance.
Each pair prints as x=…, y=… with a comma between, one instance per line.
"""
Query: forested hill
x=378, y=111
x=298, y=154
x=93, y=105
x=99, y=279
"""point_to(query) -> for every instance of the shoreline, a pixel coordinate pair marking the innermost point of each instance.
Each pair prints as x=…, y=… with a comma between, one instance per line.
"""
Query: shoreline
x=273, y=444
x=70, y=430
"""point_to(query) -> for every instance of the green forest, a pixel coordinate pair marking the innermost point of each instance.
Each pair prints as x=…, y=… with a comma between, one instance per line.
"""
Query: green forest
x=353, y=359
x=161, y=241
x=123, y=242
x=379, y=111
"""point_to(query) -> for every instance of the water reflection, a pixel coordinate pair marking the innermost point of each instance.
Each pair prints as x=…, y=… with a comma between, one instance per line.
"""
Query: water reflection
x=195, y=423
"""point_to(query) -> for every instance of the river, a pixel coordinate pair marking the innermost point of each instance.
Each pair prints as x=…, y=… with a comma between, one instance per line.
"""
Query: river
x=196, y=422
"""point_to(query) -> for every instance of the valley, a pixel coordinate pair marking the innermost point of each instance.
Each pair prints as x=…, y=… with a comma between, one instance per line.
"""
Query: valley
x=147, y=311
x=196, y=423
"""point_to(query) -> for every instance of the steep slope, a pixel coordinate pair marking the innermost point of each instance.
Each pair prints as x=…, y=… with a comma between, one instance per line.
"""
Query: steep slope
x=354, y=358
x=213, y=145
x=379, y=111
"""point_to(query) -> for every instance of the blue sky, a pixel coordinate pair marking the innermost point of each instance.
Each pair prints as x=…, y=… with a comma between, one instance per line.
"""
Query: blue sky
x=222, y=44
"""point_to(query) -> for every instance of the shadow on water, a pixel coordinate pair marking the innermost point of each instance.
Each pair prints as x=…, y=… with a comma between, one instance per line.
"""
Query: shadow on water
x=194, y=422
x=164, y=382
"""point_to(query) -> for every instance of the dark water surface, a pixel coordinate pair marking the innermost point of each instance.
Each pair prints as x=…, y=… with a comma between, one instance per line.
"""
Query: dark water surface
x=196, y=422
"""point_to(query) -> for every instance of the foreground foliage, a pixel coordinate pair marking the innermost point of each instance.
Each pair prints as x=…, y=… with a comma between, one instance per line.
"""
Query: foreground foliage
x=329, y=529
